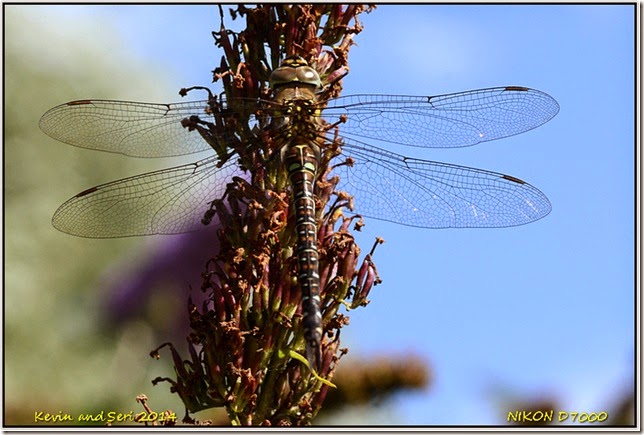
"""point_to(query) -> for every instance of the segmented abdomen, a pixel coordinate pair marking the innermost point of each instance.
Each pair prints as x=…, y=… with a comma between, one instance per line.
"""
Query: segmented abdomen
x=302, y=164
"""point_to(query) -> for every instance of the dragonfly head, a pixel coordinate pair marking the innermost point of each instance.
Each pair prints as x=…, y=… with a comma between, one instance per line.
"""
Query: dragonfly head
x=295, y=71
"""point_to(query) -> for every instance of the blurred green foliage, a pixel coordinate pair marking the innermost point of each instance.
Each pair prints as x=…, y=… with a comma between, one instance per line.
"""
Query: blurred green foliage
x=58, y=356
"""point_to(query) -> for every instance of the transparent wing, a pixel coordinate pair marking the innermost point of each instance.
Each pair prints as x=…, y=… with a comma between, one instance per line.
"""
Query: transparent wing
x=125, y=127
x=169, y=201
x=130, y=128
x=442, y=121
x=422, y=193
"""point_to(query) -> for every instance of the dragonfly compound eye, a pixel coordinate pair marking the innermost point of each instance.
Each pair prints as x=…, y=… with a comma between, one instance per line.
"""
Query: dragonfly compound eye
x=308, y=75
x=286, y=75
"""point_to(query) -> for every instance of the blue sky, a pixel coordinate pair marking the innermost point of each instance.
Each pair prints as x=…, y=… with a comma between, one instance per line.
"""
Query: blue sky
x=542, y=309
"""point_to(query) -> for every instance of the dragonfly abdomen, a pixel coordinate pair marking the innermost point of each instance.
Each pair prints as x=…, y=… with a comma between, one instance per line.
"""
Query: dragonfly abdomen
x=302, y=164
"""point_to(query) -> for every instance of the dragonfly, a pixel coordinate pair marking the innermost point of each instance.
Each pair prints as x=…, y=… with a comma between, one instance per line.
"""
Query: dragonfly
x=385, y=185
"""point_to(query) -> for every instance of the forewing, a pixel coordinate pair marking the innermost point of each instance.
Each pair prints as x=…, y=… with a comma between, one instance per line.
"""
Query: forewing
x=126, y=127
x=443, y=121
